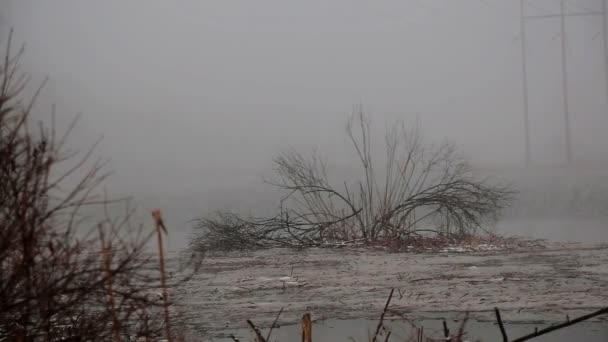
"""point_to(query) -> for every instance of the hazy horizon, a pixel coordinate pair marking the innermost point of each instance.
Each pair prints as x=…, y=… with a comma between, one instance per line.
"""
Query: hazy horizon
x=198, y=96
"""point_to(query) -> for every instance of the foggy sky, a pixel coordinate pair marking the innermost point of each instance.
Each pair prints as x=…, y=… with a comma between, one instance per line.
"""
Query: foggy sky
x=194, y=97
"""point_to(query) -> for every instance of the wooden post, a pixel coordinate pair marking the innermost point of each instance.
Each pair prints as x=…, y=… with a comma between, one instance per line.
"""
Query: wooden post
x=107, y=265
x=306, y=328
x=160, y=229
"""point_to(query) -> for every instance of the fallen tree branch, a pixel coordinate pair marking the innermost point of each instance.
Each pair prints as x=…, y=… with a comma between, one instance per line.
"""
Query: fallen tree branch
x=258, y=334
x=562, y=325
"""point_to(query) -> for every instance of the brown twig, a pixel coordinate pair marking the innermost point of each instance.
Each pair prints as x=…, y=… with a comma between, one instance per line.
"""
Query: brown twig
x=107, y=268
x=503, y=332
x=462, y=326
x=274, y=324
x=562, y=325
x=446, y=331
x=381, y=323
x=258, y=334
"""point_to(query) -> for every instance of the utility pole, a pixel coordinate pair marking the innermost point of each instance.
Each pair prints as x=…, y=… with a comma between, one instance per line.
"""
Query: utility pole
x=565, y=83
x=524, y=77
x=564, y=67
x=605, y=41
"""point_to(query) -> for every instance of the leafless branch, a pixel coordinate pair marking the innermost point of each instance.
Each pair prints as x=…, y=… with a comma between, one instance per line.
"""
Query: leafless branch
x=418, y=188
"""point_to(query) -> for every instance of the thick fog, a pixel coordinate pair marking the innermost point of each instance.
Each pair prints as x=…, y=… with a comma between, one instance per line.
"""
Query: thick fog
x=194, y=98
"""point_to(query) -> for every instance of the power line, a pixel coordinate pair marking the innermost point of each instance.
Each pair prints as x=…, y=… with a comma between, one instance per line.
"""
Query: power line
x=563, y=16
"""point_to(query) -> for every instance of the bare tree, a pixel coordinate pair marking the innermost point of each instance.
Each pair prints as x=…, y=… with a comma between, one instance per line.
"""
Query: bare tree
x=413, y=185
x=58, y=279
x=416, y=188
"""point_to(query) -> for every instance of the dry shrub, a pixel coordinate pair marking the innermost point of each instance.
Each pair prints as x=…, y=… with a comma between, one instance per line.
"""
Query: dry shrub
x=60, y=280
x=415, y=189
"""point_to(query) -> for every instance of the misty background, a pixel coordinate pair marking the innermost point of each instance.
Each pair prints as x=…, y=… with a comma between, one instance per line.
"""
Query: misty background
x=194, y=98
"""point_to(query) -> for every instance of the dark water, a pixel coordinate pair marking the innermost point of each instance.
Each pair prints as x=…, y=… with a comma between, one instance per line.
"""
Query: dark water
x=363, y=330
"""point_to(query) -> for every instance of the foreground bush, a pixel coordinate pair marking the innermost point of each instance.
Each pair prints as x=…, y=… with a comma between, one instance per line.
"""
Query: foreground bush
x=417, y=188
x=60, y=280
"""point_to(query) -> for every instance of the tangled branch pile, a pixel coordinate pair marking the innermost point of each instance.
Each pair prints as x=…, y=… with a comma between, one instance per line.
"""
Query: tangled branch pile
x=416, y=189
